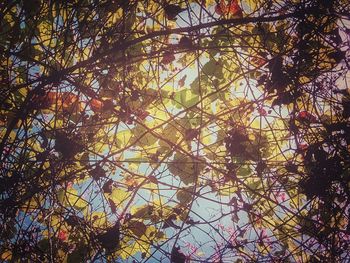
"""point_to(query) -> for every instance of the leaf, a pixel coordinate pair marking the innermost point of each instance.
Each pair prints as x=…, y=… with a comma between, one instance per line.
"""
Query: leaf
x=213, y=69
x=7, y=255
x=107, y=187
x=45, y=33
x=234, y=8
x=143, y=137
x=254, y=186
x=185, y=98
x=98, y=173
x=170, y=133
x=168, y=57
x=110, y=238
x=181, y=82
x=252, y=4
x=171, y=11
x=74, y=199
x=96, y=105
x=118, y=196
x=123, y=137
x=144, y=212
x=220, y=9
x=62, y=235
x=177, y=256
x=185, y=43
x=99, y=219
x=305, y=116
x=137, y=227
x=186, y=168
x=184, y=196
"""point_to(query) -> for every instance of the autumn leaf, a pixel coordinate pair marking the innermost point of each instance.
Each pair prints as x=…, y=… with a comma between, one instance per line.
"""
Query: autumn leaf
x=172, y=11
x=184, y=196
x=177, y=256
x=305, y=116
x=186, y=168
x=107, y=186
x=118, y=196
x=231, y=8
x=110, y=238
x=96, y=105
x=128, y=128
x=181, y=82
x=98, y=172
x=137, y=228
x=7, y=255
x=234, y=8
x=62, y=235
x=185, y=42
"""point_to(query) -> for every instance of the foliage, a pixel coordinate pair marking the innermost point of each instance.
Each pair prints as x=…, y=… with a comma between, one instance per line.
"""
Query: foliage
x=158, y=131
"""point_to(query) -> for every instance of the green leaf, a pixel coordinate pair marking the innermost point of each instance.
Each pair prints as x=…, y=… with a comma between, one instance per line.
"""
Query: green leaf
x=213, y=68
x=184, y=196
x=185, y=98
x=186, y=168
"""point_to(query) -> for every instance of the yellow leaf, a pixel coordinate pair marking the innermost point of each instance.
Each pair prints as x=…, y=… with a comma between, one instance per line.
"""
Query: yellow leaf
x=45, y=33
x=123, y=137
x=99, y=219
x=34, y=203
x=119, y=196
x=72, y=198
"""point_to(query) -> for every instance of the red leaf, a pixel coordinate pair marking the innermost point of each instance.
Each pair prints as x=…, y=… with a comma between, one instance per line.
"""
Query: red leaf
x=52, y=97
x=68, y=98
x=258, y=61
x=218, y=9
x=234, y=8
x=62, y=235
x=305, y=116
x=302, y=147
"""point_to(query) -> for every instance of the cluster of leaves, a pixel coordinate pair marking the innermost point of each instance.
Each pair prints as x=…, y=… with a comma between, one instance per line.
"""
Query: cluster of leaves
x=157, y=131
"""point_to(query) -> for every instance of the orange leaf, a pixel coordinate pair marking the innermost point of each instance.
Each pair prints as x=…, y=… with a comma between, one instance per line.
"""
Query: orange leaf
x=51, y=97
x=96, y=105
x=68, y=99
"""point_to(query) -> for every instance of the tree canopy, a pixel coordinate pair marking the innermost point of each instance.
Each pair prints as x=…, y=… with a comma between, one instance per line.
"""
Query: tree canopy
x=174, y=131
